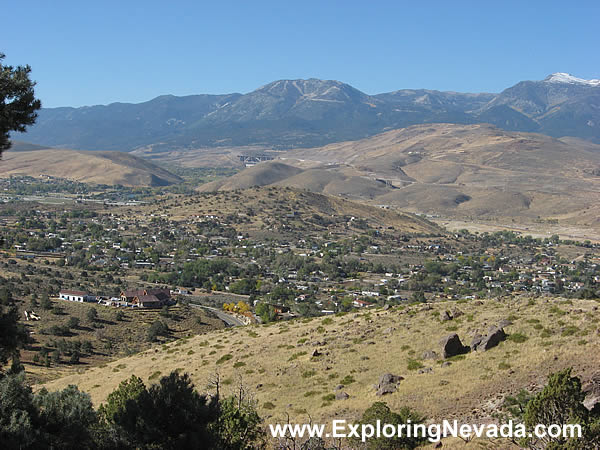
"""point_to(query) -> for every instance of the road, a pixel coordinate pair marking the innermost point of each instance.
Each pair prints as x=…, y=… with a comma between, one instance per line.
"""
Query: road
x=230, y=321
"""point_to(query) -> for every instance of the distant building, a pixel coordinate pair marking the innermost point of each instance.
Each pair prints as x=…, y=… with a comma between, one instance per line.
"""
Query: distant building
x=76, y=296
x=357, y=303
x=147, y=298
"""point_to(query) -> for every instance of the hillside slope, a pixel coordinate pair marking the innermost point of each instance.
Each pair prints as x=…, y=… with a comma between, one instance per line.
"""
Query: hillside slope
x=455, y=170
x=262, y=206
x=90, y=167
x=291, y=366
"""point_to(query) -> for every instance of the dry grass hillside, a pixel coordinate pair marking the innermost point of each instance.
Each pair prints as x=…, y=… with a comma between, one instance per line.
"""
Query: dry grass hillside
x=463, y=171
x=294, y=367
x=264, y=208
x=86, y=166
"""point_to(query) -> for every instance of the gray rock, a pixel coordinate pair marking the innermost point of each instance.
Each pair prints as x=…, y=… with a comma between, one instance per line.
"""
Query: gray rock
x=445, y=316
x=476, y=341
x=316, y=353
x=386, y=307
x=426, y=370
x=339, y=387
x=386, y=389
x=456, y=313
x=430, y=354
x=387, y=384
x=451, y=346
x=495, y=336
x=388, y=378
x=591, y=389
x=341, y=396
x=504, y=323
x=446, y=364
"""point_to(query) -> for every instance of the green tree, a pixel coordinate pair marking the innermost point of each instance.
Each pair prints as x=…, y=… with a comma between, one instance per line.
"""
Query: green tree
x=18, y=415
x=66, y=417
x=12, y=334
x=158, y=328
x=92, y=315
x=266, y=312
x=73, y=322
x=116, y=403
x=46, y=303
x=168, y=415
x=561, y=403
x=18, y=104
x=245, y=286
x=238, y=425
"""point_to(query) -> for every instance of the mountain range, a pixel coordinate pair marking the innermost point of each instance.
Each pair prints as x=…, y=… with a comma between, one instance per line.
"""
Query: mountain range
x=308, y=113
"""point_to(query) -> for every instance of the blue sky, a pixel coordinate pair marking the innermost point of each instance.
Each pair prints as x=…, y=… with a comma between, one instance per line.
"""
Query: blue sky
x=85, y=53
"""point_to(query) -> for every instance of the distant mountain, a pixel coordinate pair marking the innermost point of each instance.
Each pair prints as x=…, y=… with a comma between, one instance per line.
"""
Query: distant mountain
x=309, y=113
x=98, y=167
x=561, y=105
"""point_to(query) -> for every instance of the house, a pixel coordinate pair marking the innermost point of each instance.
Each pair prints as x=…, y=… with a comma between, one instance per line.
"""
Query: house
x=76, y=296
x=357, y=303
x=147, y=298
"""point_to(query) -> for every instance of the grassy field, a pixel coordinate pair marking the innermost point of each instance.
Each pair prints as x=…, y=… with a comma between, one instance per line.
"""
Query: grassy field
x=276, y=361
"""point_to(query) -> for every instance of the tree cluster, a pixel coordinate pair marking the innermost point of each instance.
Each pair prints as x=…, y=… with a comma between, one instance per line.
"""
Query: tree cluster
x=167, y=415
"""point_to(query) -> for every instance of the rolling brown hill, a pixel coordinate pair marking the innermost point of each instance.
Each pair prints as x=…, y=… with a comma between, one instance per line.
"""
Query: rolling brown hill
x=101, y=167
x=261, y=205
x=453, y=170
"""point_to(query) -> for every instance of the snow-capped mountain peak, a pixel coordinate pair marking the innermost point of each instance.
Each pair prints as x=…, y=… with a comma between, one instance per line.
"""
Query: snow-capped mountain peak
x=561, y=77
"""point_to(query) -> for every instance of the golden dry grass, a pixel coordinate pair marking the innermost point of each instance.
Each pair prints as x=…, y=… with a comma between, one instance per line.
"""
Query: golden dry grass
x=86, y=166
x=464, y=171
x=275, y=361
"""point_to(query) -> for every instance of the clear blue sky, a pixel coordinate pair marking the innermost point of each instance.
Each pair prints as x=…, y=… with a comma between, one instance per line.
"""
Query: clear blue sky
x=85, y=53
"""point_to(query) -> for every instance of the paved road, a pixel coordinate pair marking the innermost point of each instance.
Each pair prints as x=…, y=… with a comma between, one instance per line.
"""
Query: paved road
x=230, y=320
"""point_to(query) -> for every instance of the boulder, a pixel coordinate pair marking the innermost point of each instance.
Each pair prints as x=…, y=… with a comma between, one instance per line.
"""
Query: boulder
x=387, y=384
x=386, y=389
x=341, y=396
x=452, y=346
x=456, y=313
x=388, y=378
x=426, y=370
x=591, y=389
x=445, y=316
x=504, y=323
x=430, y=354
x=494, y=337
x=476, y=341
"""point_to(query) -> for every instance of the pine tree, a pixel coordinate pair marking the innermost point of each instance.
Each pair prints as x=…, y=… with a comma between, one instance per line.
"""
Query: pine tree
x=18, y=104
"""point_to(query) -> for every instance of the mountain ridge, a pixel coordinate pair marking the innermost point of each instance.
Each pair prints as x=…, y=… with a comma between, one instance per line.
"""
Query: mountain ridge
x=314, y=112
